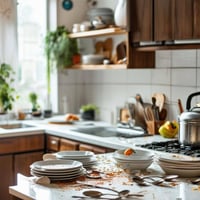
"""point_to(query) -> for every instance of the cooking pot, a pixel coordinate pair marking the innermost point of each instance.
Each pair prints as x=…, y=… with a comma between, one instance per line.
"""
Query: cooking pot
x=189, y=124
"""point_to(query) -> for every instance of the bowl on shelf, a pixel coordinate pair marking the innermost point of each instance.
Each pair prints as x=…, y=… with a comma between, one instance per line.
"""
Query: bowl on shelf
x=92, y=59
x=106, y=14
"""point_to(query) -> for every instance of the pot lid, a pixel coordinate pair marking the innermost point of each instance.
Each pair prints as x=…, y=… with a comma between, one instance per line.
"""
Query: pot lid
x=190, y=116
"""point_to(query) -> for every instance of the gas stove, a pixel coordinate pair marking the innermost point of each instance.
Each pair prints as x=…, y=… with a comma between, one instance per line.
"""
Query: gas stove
x=172, y=147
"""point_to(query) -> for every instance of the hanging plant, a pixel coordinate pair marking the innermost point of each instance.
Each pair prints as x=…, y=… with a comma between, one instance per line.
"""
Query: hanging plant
x=60, y=48
x=7, y=92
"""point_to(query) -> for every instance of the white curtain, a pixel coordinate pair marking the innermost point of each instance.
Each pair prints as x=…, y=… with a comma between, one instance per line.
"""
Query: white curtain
x=8, y=32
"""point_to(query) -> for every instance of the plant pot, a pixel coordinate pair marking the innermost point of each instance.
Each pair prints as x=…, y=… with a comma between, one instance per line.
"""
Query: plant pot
x=47, y=113
x=88, y=115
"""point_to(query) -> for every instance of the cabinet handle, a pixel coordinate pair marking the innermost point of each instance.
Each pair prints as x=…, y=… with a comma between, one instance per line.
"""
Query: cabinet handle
x=53, y=142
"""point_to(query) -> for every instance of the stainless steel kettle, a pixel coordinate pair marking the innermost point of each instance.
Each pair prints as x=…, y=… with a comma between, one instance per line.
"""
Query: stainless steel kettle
x=189, y=124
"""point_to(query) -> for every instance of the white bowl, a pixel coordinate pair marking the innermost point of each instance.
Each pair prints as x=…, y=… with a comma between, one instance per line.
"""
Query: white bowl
x=134, y=165
x=138, y=155
x=92, y=59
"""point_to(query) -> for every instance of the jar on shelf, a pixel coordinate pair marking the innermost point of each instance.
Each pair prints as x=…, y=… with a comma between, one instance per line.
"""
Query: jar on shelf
x=120, y=15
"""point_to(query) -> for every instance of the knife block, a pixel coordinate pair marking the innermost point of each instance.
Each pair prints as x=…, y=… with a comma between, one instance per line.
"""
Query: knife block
x=153, y=126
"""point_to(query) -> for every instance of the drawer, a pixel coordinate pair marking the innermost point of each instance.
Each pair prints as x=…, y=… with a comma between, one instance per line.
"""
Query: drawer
x=68, y=145
x=53, y=143
x=21, y=144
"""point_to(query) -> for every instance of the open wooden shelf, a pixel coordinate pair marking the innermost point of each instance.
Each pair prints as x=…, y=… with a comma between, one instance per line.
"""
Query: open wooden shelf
x=99, y=67
x=98, y=33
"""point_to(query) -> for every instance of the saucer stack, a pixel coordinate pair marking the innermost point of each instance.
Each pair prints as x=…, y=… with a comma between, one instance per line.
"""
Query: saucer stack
x=87, y=158
x=184, y=166
x=57, y=170
x=139, y=160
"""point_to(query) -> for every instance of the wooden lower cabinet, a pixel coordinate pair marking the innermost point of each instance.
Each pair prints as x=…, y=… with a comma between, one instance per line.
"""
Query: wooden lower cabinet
x=95, y=149
x=67, y=145
x=22, y=162
x=55, y=143
x=16, y=155
x=7, y=175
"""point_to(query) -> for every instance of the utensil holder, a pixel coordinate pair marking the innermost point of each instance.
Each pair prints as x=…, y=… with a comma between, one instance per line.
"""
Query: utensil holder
x=153, y=126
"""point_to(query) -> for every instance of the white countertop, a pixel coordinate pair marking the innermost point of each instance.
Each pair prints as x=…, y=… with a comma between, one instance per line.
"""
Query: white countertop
x=25, y=189
x=182, y=190
x=65, y=130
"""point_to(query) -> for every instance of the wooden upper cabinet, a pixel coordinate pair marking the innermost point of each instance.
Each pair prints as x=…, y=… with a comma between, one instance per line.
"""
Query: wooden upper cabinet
x=196, y=34
x=140, y=14
x=163, y=20
x=183, y=19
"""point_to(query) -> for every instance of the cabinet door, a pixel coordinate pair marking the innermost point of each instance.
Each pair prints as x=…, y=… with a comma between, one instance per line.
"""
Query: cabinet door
x=52, y=143
x=140, y=14
x=183, y=19
x=23, y=161
x=6, y=174
x=68, y=145
x=21, y=144
x=163, y=20
x=196, y=19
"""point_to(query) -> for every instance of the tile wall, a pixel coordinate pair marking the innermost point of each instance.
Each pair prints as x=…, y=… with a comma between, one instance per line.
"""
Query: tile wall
x=177, y=74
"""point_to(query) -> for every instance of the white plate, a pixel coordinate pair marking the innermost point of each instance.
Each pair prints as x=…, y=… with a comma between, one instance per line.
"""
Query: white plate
x=58, y=174
x=75, y=154
x=181, y=172
x=191, y=167
x=61, y=172
x=178, y=158
x=56, y=165
x=59, y=178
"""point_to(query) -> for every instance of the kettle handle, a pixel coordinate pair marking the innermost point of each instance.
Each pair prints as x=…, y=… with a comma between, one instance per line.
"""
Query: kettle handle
x=188, y=103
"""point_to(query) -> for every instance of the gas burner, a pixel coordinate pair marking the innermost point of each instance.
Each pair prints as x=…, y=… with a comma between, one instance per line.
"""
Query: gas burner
x=173, y=147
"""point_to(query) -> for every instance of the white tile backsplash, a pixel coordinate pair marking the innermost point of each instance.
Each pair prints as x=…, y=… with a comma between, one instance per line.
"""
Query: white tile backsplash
x=163, y=59
x=161, y=76
x=138, y=76
x=184, y=77
x=176, y=75
x=184, y=58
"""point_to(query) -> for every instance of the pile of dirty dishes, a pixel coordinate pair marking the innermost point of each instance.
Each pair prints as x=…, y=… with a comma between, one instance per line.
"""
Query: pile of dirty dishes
x=57, y=170
x=138, y=160
x=87, y=158
x=184, y=166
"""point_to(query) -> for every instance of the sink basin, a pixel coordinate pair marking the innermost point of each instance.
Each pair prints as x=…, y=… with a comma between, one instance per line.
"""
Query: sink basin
x=14, y=126
x=110, y=132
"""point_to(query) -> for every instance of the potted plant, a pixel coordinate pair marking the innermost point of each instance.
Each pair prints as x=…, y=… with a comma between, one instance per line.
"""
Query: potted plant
x=60, y=50
x=88, y=111
x=35, y=106
x=7, y=92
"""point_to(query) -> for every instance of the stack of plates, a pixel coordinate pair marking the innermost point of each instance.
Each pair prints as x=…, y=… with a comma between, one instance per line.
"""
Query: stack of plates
x=57, y=170
x=87, y=158
x=140, y=160
x=184, y=166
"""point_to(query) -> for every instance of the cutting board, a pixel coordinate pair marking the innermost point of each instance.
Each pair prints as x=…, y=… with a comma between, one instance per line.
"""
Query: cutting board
x=60, y=122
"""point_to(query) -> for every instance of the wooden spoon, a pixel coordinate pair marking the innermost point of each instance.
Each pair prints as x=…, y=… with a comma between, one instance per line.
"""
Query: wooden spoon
x=160, y=100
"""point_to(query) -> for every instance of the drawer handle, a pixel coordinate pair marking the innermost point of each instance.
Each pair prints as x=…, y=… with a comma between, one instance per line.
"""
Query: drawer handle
x=53, y=142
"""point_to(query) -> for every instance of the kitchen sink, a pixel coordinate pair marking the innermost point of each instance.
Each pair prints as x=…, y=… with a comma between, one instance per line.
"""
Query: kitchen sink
x=14, y=126
x=110, y=131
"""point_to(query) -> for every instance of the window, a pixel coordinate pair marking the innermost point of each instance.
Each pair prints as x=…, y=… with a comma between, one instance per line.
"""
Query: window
x=32, y=26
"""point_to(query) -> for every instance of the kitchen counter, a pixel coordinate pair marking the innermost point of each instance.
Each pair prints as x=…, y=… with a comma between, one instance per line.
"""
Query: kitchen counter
x=27, y=189
x=65, y=131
